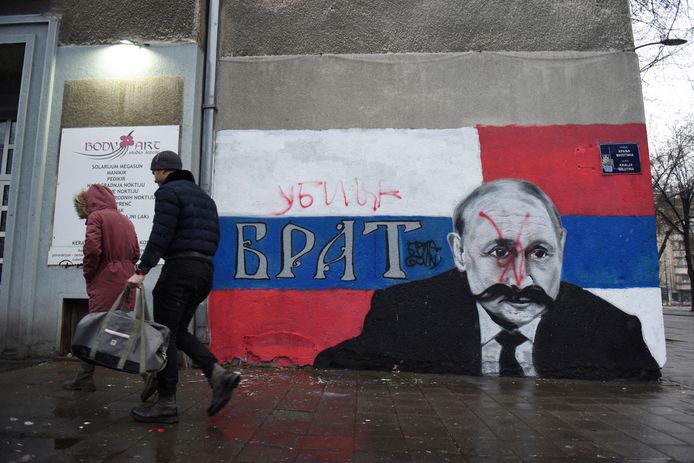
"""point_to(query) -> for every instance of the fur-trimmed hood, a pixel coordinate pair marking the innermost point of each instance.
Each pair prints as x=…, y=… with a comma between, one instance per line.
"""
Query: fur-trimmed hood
x=95, y=198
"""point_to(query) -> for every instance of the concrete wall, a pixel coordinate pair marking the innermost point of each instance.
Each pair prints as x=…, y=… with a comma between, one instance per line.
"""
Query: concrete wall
x=122, y=102
x=428, y=90
x=86, y=22
x=421, y=63
x=312, y=27
x=313, y=95
x=435, y=64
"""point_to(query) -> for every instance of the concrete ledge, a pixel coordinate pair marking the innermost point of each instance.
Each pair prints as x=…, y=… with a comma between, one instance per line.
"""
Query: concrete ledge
x=447, y=90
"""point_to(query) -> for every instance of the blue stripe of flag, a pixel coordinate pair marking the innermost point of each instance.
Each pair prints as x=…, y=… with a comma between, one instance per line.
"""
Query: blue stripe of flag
x=601, y=252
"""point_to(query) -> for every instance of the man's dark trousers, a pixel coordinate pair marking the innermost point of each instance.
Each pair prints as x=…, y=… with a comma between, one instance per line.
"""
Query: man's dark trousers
x=182, y=286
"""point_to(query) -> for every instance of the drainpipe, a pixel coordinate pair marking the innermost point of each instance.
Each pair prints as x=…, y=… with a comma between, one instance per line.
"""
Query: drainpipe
x=209, y=105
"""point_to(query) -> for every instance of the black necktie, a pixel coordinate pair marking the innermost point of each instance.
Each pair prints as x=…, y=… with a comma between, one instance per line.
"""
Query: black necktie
x=508, y=365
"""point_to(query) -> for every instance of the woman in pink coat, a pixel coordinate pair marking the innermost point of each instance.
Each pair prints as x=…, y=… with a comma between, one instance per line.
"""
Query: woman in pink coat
x=110, y=251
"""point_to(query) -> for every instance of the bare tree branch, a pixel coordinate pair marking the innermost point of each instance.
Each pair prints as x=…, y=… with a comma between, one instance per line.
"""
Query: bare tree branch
x=663, y=245
x=672, y=173
x=655, y=20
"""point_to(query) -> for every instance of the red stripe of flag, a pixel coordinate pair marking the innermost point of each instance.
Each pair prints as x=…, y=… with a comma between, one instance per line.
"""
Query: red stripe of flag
x=289, y=327
x=564, y=160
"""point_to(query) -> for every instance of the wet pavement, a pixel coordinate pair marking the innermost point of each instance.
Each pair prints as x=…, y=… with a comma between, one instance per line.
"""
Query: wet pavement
x=302, y=415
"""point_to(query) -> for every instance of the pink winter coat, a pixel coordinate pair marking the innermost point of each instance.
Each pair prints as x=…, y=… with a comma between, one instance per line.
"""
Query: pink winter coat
x=110, y=249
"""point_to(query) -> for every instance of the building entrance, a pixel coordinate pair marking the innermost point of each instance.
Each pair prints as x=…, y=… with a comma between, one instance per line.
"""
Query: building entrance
x=11, y=62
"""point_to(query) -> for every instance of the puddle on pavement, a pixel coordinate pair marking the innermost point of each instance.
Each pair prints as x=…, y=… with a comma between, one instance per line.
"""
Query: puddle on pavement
x=62, y=444
x=23, y=449
x=76, y=410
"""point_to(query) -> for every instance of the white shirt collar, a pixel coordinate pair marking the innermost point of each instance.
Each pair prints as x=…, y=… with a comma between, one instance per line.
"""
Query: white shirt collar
x=489, y=328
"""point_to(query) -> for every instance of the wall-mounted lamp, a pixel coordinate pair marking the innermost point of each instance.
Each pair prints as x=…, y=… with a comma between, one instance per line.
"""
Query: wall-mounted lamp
x=132, y=42
x=127, y=57
x=664, y=42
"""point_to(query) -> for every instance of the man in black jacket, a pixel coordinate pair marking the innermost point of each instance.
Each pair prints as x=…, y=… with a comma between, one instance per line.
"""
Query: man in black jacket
x=503, y=310
x=185, y=233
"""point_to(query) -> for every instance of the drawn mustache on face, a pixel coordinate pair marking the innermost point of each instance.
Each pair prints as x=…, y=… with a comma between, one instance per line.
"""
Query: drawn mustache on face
x=532, y=293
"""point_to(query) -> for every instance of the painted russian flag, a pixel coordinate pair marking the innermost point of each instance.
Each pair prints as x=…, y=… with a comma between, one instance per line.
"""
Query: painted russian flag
x=313, y=221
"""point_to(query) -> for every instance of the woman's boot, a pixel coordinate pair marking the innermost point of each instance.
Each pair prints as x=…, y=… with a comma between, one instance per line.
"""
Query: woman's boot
x=84, y=381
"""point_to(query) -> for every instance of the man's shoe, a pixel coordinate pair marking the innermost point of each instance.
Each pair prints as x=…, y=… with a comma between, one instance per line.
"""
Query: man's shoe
x=162, y=411
x=223, y=383
x=150, y=386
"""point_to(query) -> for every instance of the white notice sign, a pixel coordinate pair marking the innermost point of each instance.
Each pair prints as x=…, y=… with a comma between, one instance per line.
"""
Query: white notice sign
x=117, y=157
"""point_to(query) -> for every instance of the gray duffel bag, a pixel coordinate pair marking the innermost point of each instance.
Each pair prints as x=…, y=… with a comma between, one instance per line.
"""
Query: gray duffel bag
x=124, y=341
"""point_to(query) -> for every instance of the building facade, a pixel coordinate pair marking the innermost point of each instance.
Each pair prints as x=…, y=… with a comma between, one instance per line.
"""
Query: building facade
x=674, y=279
x=336, y=139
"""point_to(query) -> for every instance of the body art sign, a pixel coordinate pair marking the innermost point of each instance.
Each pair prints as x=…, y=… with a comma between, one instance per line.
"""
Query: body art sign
x=117, y=157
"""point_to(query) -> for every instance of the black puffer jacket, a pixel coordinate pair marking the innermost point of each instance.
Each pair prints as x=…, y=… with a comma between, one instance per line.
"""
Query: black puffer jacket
x=185, y=220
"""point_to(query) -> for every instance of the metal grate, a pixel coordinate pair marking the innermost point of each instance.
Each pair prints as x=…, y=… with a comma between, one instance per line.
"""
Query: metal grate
x=7, y=133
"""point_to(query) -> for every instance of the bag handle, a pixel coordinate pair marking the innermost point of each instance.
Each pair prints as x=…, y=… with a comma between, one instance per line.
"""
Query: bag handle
x=121, y=301
x=141, y=314
x=141, y=304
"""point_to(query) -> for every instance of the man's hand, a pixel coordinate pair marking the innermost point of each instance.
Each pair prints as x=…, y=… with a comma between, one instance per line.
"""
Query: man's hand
x=135, y=280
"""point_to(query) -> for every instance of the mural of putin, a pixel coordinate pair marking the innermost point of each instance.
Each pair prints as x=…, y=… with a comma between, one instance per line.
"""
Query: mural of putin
x=503, y=310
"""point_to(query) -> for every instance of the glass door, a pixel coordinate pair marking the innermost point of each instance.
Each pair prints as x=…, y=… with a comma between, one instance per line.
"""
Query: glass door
x=7, y=133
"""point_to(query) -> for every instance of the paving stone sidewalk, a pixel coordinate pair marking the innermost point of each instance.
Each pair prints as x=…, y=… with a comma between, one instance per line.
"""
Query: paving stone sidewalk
x=302, y=415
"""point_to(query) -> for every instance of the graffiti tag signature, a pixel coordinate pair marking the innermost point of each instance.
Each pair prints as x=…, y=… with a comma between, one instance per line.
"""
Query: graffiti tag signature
x=423, y=253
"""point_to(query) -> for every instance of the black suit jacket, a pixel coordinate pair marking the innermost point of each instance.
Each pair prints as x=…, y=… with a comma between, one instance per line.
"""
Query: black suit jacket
x=432, y=326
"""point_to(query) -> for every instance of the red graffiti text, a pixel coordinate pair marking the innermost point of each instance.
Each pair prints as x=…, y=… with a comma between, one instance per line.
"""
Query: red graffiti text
x=303, y=195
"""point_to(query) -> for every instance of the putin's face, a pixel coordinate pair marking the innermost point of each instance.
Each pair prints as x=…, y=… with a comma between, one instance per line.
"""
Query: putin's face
x=512, y=254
